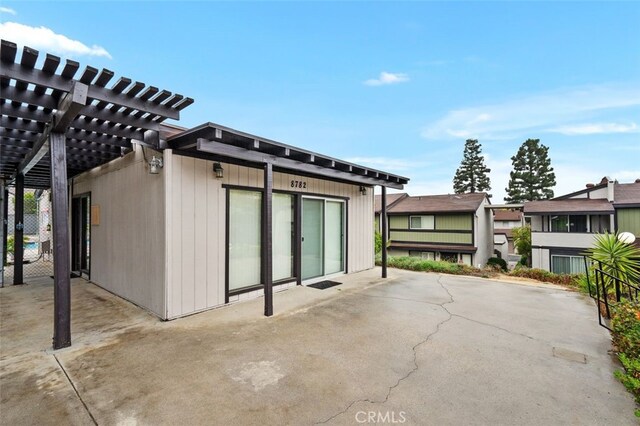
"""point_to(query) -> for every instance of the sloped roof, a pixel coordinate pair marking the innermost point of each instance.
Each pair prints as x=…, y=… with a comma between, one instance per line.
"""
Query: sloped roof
x=458, y=203
x=626, y=193
x=505, y=231
x=570, y=205
x=508, y=215
x=391, y=200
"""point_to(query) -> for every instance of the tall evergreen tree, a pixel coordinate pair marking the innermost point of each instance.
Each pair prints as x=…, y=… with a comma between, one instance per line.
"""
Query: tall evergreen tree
x=532, y=177
x=472, y=175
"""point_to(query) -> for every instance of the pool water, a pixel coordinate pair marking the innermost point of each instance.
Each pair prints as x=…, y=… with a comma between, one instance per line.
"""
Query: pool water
x=31, y=245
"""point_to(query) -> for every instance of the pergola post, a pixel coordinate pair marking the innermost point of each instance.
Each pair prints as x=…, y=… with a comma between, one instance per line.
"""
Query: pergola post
x=61, y=243
x=4, y=204
x=18, y=232
x=385, y=232
x=267, y=239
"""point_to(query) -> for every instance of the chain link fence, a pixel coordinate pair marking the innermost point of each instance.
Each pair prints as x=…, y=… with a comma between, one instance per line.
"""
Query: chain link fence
x=38, y=250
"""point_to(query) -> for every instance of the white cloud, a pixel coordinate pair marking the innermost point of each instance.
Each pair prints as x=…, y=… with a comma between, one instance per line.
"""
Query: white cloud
x=45, y=39
x=541, y=112
x=387, y=78
x=595, y=128
x=7, y=10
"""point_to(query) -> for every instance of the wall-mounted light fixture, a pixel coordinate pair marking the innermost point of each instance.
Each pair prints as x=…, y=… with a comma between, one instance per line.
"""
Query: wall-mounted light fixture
x=219, y=171
x=155, y=164
x=363, y=190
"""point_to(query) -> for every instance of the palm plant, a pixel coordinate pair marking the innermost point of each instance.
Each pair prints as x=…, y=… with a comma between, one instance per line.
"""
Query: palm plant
x=618, y=259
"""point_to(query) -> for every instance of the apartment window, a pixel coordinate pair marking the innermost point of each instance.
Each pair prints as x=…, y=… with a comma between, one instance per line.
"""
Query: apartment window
x=428, y=255
x=422, y=222
x=567, y=264
x=600, y=223
x=569, y=223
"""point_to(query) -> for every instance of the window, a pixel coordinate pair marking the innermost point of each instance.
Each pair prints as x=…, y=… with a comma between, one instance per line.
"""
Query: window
x=245, y=218
x=600, y=223
x=421, y=222
x=428, y=255
x=282, y=236
x=567, y=264
x=569, y=223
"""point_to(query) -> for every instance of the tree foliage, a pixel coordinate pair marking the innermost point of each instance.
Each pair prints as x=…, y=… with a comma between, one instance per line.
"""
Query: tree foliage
x=522, y=242
x=473, y=174
x=30, y=203
x=532, y=177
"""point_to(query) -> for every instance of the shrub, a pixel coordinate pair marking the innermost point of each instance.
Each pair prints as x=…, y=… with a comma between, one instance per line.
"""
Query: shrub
x=423, y=265
x=545, y=276
x=625, y=326
x=497, y=261
x=378, y=242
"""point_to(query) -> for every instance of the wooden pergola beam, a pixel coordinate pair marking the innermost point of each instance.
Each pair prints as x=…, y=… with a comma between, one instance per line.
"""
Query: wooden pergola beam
x=37, y=77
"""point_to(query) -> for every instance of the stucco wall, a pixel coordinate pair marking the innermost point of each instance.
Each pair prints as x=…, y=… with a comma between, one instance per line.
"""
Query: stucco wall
x=483, y=235
x=127, y=246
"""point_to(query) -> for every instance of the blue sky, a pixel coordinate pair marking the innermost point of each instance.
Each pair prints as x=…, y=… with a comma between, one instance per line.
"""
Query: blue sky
x=395, y=86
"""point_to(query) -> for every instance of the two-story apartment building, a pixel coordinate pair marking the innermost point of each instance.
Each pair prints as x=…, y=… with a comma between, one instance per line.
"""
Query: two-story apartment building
x=564, y=227
x=451, y=227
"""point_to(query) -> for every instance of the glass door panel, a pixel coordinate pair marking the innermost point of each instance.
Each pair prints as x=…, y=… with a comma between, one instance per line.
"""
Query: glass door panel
x=312, y=238
x=245, y=218
x=334, y=237
x=282, y=236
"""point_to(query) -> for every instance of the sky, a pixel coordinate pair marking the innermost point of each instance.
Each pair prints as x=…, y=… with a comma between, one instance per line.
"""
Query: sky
x=391, y=85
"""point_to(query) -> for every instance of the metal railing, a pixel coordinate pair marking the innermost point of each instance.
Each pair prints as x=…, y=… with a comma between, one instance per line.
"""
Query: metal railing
x=608, y=288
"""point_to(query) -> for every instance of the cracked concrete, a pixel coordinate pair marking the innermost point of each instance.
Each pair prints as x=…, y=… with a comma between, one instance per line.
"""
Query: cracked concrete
x=418, y=348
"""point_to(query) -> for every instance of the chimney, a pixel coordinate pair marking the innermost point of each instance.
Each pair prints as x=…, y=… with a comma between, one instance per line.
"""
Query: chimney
x=590, y=185
x=610, y=190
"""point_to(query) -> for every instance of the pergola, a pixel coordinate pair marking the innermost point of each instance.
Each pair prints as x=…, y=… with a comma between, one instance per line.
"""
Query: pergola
x=56, y=123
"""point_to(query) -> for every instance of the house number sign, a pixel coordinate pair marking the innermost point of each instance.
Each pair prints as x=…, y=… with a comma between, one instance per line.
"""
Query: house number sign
x=299, y=184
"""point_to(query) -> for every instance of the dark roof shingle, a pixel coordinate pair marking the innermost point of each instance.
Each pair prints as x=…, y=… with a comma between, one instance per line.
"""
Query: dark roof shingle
x=570, y=205
x=391, y=200
x=626, y=193
x=440, y=203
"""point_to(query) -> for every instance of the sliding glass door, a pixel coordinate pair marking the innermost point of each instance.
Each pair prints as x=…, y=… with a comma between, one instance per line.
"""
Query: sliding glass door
x=283, y=231
x=334, y=244
x=322, y=237
x=245, y=219
x=312, y=238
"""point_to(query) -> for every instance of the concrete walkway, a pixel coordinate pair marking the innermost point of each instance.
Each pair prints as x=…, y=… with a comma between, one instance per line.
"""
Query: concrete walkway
x=415, y=349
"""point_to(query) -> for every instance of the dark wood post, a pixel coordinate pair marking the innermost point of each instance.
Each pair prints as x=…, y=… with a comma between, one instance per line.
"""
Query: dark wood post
x=383, y=221
x=60, y=228
x=18, y=232
x=5, y=227
x=267, y=239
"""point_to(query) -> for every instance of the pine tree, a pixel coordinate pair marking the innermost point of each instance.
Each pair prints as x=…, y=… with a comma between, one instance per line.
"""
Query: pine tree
x=532, y=177
x=472, y=175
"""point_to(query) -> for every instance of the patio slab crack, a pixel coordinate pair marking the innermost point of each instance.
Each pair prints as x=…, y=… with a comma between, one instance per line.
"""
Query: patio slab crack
x=73, y=386
x=415, y=347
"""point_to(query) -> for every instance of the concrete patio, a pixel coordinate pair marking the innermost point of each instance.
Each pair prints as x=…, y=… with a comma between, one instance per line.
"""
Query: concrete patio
x=416, y=348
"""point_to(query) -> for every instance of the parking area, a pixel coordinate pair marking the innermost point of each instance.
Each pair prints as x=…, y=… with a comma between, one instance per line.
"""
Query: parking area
x=415, y=349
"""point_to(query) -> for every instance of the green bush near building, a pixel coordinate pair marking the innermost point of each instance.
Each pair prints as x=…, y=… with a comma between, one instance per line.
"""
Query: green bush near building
x=625, y=326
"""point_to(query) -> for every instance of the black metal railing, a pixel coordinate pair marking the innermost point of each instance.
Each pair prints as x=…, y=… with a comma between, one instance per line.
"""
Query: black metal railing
x=609, y=287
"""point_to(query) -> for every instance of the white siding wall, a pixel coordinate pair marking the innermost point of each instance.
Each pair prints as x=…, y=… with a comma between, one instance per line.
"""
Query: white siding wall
x=127, y=247
x=195, y=227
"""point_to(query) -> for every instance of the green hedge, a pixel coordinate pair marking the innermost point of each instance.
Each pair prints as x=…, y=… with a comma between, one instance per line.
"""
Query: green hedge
x=545, y=276
x=625, y=326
